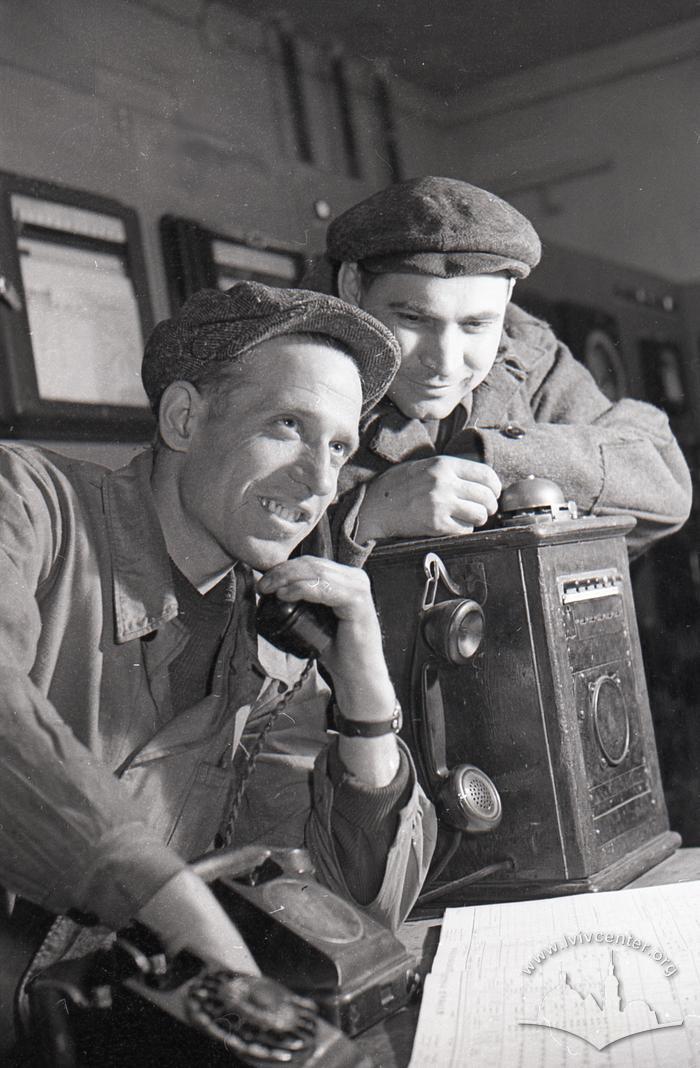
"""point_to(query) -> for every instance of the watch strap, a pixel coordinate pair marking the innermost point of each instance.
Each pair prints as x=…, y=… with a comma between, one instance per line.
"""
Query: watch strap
x=365, y=728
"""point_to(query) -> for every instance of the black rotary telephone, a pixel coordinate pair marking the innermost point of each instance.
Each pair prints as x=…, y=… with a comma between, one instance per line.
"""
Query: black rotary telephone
x=330, y=971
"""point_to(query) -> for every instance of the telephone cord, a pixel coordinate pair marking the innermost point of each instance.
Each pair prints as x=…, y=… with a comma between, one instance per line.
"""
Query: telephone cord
x=273, y=715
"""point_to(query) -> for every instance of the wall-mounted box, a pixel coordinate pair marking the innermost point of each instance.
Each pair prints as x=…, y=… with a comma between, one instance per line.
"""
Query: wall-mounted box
x=74, y=313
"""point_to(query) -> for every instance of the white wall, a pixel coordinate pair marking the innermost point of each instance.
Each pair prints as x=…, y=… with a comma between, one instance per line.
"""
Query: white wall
x=627, y=114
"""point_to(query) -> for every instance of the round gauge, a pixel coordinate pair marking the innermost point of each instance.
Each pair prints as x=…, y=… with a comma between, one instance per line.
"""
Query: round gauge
x=610, y=719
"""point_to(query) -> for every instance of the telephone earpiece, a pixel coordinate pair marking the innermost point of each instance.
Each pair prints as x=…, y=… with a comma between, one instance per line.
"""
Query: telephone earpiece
x=454, y=629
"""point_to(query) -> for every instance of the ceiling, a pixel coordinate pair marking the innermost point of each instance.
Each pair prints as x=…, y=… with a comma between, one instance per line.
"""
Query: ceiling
x=447, y=46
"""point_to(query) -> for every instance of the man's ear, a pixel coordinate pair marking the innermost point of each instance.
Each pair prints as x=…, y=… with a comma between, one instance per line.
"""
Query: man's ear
x=350, y=284
x=182, y=408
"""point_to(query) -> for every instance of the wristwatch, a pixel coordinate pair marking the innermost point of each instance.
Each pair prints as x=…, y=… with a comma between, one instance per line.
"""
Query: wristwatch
x=366, y=728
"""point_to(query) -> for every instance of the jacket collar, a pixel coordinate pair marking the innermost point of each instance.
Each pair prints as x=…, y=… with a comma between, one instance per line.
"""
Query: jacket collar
x=395, y=437
x=144, y=598
x=525, y=339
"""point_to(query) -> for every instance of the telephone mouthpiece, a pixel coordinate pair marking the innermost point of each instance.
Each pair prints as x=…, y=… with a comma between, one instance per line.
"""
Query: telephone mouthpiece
x=296, y=627
x=470, y=801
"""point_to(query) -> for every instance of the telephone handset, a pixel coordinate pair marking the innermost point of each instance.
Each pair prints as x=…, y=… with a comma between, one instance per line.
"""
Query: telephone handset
x=449, y=634
x=299, y=627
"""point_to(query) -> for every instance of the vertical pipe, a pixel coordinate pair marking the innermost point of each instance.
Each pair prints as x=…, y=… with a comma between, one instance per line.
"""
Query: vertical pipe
x=295, y=93
x=344, y=101
x=385, y=111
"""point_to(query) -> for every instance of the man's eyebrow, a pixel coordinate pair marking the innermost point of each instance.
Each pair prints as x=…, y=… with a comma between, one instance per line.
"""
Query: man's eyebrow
x=309, y=412
x=485, y=316
x=426, y=312
x=412, y=306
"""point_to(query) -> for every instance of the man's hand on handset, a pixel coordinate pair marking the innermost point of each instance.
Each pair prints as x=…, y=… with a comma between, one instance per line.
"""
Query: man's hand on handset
x=354, y=659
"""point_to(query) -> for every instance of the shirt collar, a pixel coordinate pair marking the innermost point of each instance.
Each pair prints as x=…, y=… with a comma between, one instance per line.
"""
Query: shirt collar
x=207, y=585
x=144, y=597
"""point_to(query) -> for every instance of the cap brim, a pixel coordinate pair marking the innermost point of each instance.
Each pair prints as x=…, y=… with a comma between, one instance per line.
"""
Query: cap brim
x=445, y=264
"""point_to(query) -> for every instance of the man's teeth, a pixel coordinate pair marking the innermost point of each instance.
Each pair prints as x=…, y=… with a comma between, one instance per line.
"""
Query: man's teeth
x=292, y=515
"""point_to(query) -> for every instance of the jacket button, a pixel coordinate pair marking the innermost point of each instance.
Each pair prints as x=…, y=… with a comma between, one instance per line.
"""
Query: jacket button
x=512, y=431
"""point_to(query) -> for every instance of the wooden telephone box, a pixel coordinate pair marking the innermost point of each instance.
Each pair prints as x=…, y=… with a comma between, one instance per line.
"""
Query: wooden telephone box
x=516, y=650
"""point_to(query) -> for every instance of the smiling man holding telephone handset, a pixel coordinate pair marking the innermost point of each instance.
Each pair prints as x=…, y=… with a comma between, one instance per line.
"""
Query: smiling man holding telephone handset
x=135, y=691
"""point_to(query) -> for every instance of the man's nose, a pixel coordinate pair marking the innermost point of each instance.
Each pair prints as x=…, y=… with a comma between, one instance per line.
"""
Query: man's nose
x=315, y=471
x=444, y=353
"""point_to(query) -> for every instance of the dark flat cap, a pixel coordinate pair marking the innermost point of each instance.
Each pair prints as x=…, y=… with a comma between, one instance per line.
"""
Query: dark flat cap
x=435, y=226
x=215, y=325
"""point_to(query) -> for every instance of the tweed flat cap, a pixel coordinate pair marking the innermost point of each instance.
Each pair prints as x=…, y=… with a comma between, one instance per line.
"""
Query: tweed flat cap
x=439, y=226
x=215, y=325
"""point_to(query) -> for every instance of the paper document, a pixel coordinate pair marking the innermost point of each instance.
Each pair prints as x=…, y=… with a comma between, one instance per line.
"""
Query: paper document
x=593, y=981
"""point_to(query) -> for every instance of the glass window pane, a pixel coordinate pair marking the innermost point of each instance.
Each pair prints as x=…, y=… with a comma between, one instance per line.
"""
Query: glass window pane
x=84, y=322
x=235, y=262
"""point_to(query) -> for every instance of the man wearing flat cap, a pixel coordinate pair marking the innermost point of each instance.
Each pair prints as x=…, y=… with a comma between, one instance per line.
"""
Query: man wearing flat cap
x=485, y=394
x=134, y=686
